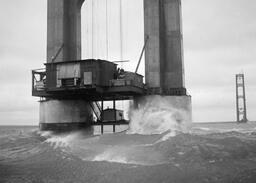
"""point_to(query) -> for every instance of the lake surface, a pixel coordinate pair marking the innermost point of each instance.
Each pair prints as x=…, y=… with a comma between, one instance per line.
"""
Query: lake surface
x=216, y=152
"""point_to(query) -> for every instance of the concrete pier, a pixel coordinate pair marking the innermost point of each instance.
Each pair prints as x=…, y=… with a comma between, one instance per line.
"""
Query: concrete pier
x=58, y=114
x=64, y=44
x=164, y=67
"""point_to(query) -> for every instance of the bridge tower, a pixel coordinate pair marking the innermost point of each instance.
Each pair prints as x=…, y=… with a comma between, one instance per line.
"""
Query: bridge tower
x=164, y=65
x=241, y=112
x=63, y=44
x=71, y=86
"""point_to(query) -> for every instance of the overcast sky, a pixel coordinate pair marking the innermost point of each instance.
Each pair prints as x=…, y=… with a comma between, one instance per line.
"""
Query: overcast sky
x=219, y=41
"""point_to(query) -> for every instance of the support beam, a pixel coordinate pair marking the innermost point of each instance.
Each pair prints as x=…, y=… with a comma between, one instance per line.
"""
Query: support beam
x=164, y=52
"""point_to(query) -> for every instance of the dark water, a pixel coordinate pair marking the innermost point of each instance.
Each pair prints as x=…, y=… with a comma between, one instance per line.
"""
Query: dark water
x=209, y=153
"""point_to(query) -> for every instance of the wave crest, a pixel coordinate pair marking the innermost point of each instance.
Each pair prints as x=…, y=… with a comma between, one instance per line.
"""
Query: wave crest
x=157, y=116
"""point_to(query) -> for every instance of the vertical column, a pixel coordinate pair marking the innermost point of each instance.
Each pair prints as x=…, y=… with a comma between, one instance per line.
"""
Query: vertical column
x=171, y=45
x=244, y=102
x=237, y=99
x=64, y=44
x=55, y=31
x=115, y=117
x=152, y=51
x=64, y=30
x=164, y=68
x=164, y=51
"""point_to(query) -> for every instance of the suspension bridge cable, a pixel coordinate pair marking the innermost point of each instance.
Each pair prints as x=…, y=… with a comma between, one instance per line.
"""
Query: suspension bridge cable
x=121, y=30
x=86, y=46
x=92, y=28
x=88, y=33
x=106, y=29
x=121, y=37
x=96, y=33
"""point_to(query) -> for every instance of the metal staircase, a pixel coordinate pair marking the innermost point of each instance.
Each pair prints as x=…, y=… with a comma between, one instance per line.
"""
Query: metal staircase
x=96, y=107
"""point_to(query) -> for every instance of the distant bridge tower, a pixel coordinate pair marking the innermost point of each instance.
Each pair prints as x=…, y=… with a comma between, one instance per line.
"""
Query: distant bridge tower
x=241, y=112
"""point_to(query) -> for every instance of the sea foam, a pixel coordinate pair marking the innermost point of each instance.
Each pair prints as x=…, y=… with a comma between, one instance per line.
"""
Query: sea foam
x=156, y=116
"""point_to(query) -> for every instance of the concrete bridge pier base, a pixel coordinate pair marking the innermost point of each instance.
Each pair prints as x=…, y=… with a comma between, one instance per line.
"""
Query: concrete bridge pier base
x=65, y=115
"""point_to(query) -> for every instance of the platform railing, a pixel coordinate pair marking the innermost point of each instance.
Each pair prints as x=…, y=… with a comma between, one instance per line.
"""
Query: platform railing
x=38, y=79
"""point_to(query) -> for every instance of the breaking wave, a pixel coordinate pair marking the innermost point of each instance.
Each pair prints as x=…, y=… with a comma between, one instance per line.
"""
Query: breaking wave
x=157, y=116
x=30, y=156
x=156, y=121
x=27, y=156
x=158, y=134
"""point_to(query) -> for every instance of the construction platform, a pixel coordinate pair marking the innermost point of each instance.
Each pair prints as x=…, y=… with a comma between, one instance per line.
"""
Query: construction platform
x=91, y=80
x=73, y=93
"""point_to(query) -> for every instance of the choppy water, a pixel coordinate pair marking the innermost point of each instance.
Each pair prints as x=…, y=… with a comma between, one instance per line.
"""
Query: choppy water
x=208, y=153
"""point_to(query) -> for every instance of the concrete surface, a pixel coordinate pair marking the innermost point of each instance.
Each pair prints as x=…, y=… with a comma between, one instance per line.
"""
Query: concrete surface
x=64, y=44
x=64, y=111
x=64, y=30
x=164, y=66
